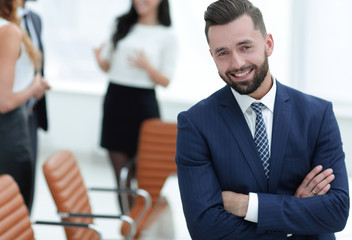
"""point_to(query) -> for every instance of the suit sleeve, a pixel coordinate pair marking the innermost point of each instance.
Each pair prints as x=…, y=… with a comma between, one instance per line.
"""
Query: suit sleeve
x=314, y=215
x=201, y=193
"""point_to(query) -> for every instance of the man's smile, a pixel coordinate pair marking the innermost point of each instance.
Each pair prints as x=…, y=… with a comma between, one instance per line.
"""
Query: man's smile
x=241, y=75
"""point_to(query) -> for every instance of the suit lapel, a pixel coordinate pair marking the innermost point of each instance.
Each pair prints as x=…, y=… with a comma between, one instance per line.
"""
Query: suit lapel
x=234, y=119
x=36, y=26
x=281, y=124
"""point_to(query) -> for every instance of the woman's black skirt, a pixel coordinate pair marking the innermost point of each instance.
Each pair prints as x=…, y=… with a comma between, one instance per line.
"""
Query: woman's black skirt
x=125, y=108
x=15, y=151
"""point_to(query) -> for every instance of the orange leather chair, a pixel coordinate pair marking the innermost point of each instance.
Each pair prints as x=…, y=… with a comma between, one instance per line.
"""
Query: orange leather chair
x=70, y=195
x=14, y=218
x=154, y=163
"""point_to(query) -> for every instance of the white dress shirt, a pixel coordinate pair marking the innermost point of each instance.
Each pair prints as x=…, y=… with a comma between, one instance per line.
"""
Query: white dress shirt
x=245, y=101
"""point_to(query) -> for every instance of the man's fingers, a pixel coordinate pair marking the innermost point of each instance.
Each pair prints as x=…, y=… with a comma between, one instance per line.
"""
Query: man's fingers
x=322, y=179
x=315, y=183
x=311, y=175
x=325, y=190
x=320, y=189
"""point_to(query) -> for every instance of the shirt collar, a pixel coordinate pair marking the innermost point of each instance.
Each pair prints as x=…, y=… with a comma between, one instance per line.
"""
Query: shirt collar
x=22, y=11
x=245, y=101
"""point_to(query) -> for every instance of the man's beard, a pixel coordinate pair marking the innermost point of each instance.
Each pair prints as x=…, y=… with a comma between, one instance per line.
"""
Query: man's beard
x=251, y=85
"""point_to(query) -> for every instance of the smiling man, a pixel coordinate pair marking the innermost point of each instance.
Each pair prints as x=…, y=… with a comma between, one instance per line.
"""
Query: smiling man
x=242, y=61
x=257, y=159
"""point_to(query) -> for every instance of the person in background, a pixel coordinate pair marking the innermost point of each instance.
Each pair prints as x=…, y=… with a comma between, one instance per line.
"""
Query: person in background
x=18, y=84
x=140, y=55
x=37, y=110
x=257, y=159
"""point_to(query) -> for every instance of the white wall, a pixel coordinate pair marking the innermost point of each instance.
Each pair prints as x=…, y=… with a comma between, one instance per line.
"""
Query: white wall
x=345, y=124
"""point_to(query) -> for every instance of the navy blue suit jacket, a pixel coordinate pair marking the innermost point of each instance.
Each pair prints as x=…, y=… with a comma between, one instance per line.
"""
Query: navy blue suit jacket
x=216, y=152
x=40, y=107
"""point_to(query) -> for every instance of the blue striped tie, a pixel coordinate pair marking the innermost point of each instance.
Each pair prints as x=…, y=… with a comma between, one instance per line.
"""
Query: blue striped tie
x=261, y=138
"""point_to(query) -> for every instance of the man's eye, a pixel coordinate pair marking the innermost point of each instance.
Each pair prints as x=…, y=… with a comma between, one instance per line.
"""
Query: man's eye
x=222, y=54
x=246, y=47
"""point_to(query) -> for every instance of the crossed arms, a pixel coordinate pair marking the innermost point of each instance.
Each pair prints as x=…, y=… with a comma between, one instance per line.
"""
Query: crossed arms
x=317, y=182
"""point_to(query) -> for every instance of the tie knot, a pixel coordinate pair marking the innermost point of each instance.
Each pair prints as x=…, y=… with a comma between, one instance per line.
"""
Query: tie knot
x=257, y=107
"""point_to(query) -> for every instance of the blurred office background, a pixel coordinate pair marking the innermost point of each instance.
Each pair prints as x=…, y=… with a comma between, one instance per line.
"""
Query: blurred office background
x=312, y=53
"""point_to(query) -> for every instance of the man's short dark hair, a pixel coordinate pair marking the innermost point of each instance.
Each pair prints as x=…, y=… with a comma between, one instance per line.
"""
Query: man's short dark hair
x=225, y=11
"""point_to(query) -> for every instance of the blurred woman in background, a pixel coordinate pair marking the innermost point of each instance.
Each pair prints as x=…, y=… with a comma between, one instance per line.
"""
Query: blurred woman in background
x=18, y=60
x=140, y=55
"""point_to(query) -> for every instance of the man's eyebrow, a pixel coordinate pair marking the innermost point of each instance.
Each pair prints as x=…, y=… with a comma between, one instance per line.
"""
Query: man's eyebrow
x=220, y=49
x=247, y=41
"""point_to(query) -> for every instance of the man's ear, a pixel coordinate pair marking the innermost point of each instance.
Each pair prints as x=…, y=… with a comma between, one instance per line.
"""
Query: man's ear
x=211, y=53
x=269, y=41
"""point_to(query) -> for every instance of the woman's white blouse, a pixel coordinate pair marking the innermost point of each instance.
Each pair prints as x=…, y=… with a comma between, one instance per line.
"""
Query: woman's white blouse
x=158, y=43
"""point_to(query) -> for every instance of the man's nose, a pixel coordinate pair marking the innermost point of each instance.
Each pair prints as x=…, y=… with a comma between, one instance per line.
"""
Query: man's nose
x=237, y=61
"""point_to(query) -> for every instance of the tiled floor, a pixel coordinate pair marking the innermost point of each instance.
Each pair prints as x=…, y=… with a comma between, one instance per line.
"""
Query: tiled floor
x=96, y=171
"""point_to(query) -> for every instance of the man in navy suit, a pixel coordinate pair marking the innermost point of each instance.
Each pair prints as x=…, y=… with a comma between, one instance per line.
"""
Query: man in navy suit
x=292, y=182
x=37, y=117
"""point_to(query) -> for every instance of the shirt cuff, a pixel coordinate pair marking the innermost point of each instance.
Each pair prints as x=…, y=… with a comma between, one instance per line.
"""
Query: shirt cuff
x=252, y=212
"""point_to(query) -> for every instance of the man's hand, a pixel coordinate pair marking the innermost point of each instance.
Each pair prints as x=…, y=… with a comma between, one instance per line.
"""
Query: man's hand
x=235, y=203
x=315, y=183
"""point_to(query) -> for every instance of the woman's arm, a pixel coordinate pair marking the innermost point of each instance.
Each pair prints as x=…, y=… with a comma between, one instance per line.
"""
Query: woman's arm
x=10, y=50
x=142, y=62
x=105, y=66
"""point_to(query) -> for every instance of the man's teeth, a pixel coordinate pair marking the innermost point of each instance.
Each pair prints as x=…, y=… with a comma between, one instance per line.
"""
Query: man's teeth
x=242, y=74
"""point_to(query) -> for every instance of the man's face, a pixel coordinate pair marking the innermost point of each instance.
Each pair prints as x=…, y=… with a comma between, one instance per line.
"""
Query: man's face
x=241, y=54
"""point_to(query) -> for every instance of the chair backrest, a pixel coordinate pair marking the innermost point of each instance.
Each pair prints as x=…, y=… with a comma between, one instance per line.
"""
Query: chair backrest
x=69, y=192
x=155, y=162
x=156, y=155
x=14, y=217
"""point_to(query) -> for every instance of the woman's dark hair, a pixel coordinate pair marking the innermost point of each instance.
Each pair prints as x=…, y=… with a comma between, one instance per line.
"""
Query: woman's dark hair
x=126, y=21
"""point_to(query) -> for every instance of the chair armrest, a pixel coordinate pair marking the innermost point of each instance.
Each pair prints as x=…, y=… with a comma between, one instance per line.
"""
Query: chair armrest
x=70, y=224
x=140, y=192
x=124, y=218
